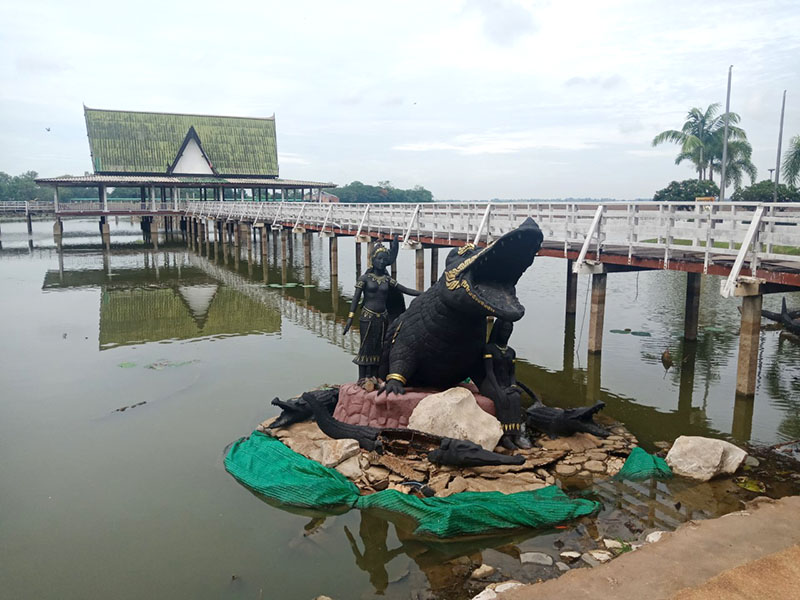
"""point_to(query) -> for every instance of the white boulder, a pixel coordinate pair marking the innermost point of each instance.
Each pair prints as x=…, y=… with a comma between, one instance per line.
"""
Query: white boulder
x=455, y=413
x=703, y=458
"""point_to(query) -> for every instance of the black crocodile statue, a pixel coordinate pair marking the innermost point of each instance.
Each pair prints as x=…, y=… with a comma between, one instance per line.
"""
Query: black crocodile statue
x=438, y=341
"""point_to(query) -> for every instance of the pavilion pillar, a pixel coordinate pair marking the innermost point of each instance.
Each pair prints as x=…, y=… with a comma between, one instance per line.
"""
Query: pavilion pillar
x=420, y=252
x=597, y=312
x=358, y=260
x=284, y=236
x=692, y=312
x=176, y=196
x=334, y=257
x=434, y=264
x=572, y=290
x=58, y=231
x=370, y=247
x=105, y=231
x=264, y=243
x=207, y=235
x=55, y=200
x=248, y=233
x=153, y=198
x=749, y=333
x=236, y=231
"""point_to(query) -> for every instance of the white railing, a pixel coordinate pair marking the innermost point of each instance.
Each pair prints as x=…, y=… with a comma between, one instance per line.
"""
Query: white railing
x=120, y=207
x=22, y=207
x=711, y=230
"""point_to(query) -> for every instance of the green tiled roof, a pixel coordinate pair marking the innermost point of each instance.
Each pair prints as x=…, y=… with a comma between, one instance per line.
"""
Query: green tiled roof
x=140, y=142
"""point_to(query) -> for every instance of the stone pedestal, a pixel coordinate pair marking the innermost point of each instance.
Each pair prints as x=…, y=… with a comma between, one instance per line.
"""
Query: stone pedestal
x=359, y=407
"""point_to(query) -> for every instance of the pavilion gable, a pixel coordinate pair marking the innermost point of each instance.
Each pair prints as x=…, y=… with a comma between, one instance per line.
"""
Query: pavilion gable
x=140, y=143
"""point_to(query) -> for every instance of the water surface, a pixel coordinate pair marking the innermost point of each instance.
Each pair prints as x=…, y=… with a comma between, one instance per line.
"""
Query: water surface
x=101, y=502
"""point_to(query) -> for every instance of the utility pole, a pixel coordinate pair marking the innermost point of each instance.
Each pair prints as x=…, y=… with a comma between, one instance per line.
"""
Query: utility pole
x=778, y=160
x=725, y=139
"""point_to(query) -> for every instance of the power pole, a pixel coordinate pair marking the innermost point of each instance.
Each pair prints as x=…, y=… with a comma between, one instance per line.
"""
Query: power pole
x=778, y=160
x=725, y=139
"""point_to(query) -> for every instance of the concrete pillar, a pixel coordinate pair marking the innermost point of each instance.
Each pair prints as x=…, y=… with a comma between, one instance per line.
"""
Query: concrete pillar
x=692, y=312
x=742, y=425
x=264, y=243
x=284, y=242
x=104, y=197
x=334, y=257
x=236, y=232
x=597, y=312
x=434, y=264
x=750, y=331
x=58, y=232
x=370, y=247
x=154, y=226
x=55, y=200
x=30, y=223
x=572, y=290
x=249, y=235
x=106, y=233
x=686, y=385
x=358, y=259
x=420, y=268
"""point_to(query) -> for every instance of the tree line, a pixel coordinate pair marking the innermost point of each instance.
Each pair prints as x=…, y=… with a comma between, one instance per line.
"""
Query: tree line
x=358, y=192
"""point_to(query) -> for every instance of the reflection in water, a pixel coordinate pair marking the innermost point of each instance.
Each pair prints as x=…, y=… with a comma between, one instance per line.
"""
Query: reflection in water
x=173, y=294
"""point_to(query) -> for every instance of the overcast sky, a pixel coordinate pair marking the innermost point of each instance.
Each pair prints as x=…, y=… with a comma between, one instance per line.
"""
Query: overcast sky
x=472, y=99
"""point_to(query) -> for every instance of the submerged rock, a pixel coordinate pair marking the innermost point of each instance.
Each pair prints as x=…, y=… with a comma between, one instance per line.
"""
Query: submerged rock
x=536, y=558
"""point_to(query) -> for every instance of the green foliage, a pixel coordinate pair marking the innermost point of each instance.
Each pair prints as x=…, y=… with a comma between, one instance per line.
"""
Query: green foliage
x=791, y=162
x=23, y=187
x=763, y=192
x=361, y=193
x=701, y=140
x=686, y=191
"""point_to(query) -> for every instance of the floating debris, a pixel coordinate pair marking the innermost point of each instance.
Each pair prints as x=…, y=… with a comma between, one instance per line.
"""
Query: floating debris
x=623, y=331
x=751, y=485
x=124, y=408
x=163, y=364
x=641, y=333
x=126, y=365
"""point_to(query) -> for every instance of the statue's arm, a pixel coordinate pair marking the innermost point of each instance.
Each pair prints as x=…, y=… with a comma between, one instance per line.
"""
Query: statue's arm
x=354, y=305
x=408, y=291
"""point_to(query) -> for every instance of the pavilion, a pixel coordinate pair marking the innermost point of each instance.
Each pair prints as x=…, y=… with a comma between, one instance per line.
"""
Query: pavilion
x=168, y=155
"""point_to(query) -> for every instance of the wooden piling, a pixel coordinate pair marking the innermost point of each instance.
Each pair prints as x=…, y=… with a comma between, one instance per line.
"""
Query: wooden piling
x=572, y=290
x=597, y=312
x=334, y=257
x=749, y=333
x=358, y=260
x=692, y=311
x=434, y=264
x=420, y=252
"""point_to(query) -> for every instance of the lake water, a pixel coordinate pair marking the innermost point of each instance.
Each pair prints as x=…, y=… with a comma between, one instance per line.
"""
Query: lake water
x=99, y=502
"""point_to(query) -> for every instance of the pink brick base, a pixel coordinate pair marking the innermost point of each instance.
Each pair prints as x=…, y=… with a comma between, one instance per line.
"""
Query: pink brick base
x=359, y=407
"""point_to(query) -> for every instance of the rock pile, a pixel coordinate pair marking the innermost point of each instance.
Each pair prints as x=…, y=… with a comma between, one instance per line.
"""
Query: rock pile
x=581, y=456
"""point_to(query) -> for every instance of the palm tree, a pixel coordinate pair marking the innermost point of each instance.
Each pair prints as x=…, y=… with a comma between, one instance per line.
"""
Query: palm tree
x=791, y=162
x=698, y=136
x=739, y=163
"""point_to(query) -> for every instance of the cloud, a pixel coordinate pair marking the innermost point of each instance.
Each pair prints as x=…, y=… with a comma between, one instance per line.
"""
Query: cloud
x=504, y=21
x=30, y=64
x=497, y=143
x=606, y=83
x=289, y=158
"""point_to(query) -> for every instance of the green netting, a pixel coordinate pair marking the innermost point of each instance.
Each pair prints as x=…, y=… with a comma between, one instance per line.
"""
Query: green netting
x=641, y=465
x=266, y=465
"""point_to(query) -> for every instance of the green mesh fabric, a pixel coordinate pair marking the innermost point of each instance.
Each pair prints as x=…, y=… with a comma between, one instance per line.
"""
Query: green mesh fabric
x=271, y=468
x=641, y=465
x=266, y=465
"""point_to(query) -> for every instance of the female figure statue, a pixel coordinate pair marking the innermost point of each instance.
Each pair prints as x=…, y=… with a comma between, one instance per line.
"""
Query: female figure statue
x=501, y=385
x=383, y=301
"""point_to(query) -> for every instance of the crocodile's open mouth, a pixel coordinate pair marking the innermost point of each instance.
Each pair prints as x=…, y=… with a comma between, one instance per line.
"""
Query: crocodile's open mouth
x=489, y=276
